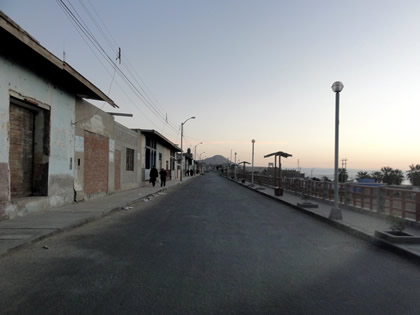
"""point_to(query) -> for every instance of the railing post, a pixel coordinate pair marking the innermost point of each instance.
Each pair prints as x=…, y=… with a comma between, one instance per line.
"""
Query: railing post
x=380, y=199
x=417, y=206
x=311, y=186
x=403, y=204
x=354, y=196
x=362, y=197
x=324, y=190
x=347, y=194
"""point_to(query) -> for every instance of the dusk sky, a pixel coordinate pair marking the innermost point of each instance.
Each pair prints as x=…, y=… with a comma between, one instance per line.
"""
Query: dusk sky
x=258, y=70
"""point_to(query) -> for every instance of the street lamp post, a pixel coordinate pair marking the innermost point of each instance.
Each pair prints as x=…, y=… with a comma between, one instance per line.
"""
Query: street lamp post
x=195, y=155
x=335, y=213
x=235, y=165
x=201, y=162
x=252, y=174
x=182, y=136
x=195, y=150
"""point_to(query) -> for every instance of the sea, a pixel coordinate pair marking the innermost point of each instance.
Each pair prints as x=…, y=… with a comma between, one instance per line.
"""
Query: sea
x=329, y=173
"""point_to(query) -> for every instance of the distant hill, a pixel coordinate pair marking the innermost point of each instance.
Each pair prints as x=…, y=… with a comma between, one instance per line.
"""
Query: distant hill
x=216, y=160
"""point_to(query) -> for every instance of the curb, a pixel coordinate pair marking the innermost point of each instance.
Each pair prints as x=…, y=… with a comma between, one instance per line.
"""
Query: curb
x=80, y=223
x=398, y=250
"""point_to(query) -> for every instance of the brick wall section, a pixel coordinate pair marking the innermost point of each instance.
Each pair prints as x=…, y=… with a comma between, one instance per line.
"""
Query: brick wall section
x=21, y=151
x=4, y=182
x=117, y=174
x=96, y=163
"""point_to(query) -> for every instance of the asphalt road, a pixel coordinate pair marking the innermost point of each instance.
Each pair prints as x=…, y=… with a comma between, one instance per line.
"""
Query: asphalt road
x=207, y=247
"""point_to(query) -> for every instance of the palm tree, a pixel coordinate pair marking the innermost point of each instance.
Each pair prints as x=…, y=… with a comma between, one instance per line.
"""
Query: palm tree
x=377, y=176
x=387, y=175
x=397, y=177
x=414, y=174
x=391, y=176
x=362, y=175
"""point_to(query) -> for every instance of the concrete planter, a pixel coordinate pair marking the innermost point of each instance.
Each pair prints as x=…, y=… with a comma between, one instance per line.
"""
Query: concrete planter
x=307, y=205
x=278, y=191
x=398, y=237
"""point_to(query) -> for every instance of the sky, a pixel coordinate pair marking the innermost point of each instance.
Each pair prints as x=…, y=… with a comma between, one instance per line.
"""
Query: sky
x=248, y=70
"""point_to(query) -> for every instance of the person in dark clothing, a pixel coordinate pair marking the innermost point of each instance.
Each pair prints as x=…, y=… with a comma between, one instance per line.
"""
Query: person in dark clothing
x=163, y=175
x=153, y=175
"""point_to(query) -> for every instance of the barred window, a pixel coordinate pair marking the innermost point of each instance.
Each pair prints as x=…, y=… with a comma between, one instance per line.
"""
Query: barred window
x=129, y=157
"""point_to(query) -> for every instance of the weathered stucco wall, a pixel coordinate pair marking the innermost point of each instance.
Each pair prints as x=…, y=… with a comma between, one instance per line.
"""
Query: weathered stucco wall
x=166, y=155
x=95, y=120
x=144, y=174
x=27, y=86
x=127, y=138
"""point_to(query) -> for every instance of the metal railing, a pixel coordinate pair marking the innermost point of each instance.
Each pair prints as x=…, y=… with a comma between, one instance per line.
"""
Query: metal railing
x=398, y=201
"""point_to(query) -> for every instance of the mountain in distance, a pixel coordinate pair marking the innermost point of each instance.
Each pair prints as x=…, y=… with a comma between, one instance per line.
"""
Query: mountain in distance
x=216, y=160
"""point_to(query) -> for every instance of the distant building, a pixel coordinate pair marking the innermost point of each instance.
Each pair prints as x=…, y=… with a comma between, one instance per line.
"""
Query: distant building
x=158, y=151
x=188, y=161
x=107, y=154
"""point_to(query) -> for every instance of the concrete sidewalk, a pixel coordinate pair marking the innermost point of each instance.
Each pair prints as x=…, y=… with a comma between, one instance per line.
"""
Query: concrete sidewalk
x=359, y=222
x=22, y=231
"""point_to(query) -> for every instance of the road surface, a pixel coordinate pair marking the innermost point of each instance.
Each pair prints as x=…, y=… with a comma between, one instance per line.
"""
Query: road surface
x=208, y=246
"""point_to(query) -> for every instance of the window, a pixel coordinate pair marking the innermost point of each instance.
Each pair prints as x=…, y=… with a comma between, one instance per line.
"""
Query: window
x=150, y=142
x=150, y=153
x=172, y=160
x=147, y=166
x=129, y=157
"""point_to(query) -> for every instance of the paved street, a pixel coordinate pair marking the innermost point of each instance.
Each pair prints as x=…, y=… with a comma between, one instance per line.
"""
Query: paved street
x=208, y=246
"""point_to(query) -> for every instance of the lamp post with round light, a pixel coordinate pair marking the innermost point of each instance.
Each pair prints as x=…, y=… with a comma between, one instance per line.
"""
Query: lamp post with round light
x=335, y=213
x=252, y=169
x=235, y=165
x=182, y=135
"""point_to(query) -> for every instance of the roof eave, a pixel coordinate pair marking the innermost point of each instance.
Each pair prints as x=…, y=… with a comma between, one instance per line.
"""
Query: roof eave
x=27, y=40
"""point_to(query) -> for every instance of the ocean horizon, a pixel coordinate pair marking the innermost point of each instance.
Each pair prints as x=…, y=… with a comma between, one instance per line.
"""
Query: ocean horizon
x=329, y=172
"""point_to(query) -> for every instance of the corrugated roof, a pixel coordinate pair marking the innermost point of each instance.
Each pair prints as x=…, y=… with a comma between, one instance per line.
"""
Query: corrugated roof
x=163, y=138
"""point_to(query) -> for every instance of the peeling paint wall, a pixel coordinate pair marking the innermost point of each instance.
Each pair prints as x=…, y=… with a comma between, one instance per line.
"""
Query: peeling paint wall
x=22, y=84
x=166, y=155
x=93, y=119
x=127, y=138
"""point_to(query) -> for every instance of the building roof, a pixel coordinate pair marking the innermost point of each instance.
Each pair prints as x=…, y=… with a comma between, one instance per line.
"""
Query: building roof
x=282, y=154
x=17, y=44
x=163, y=139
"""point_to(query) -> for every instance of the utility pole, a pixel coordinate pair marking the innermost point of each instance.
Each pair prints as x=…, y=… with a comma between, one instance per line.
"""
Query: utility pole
x=235, y=164
x=344, y=163
x=182, y=135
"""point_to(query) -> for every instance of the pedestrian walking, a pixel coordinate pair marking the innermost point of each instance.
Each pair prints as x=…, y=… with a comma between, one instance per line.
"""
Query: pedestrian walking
x=163, y=175
x=153, y=175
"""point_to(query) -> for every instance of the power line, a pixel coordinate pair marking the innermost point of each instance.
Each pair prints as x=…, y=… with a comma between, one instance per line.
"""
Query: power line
x=82, y=31
x=112, y=43
x=79, y=23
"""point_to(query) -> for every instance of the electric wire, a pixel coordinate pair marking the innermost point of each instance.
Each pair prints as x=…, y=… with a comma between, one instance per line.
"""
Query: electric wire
x=112, y=78
x=112, y=43
x=80, y=25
